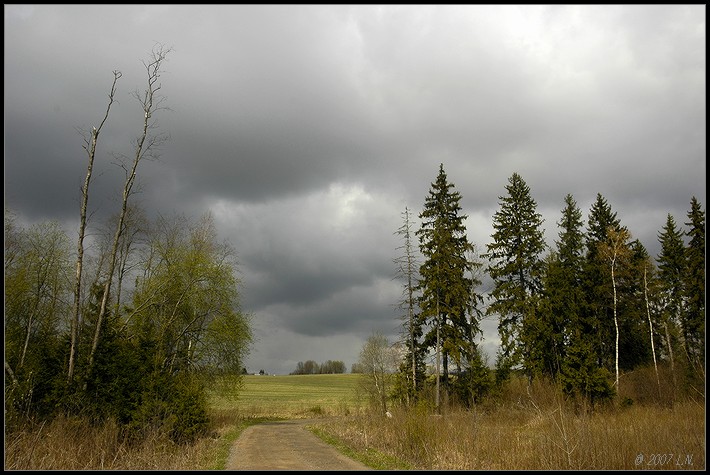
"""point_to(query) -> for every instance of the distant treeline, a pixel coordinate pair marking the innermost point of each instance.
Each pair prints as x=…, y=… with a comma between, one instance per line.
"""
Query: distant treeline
x=311, y=367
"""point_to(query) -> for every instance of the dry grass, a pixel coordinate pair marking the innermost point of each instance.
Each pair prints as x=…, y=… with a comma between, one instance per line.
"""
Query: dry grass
x=534, y=431
x=72, y=444
x=526, y=429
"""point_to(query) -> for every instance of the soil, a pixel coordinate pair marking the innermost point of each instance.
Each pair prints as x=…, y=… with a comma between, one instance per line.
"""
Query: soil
x=286, y=445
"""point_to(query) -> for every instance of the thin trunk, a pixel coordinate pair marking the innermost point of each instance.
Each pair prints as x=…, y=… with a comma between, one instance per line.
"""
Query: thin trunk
x=411, y=332
x=670, y=353
x=91, y=150
x=650, y=329
x=616, y=324
x=149, y=107
x=27, y=339
x=10, y=373
x=41, y=281
x=438, y=356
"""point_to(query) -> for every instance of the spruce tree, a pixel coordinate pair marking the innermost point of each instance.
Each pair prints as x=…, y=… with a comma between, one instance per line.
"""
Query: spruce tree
x=563, y=287
x=445, y=299
x=516, y=269
x=634, y=343
x=671, y=269
x=694, y=286
x=546, y=326
x=597, y=284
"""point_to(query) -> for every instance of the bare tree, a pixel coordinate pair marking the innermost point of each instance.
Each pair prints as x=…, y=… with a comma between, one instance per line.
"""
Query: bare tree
x=379, y=362
x=145, y=147
x=407, y=271
x=90, y=143
x=135, y=225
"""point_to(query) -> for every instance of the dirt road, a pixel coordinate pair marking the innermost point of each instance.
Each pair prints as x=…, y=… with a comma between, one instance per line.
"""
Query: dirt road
x=286, y=445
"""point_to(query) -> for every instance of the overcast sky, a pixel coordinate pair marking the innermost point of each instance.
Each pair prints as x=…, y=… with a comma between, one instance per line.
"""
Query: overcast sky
x=306, y=130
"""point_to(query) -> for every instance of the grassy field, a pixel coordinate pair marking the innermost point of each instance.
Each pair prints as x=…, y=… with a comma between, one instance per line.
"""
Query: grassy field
x=525, y=428
x=289, y=396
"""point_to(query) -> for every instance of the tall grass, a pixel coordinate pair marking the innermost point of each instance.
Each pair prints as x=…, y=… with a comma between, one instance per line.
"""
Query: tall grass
x=524, y=428
x=73, y=444
x=533, y=428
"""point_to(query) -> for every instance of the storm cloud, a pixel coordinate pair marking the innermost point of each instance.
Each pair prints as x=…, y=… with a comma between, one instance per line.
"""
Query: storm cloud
x=306, y=129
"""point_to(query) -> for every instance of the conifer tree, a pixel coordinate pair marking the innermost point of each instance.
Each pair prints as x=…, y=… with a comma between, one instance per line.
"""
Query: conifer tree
x=546, y=326
x=671, y=269
x=580, y=373
x=634, y=342
x=445, y=299
x=597, y=285
x=516, y=269
x=694, y=286
x=474, y=378
x=563, y=292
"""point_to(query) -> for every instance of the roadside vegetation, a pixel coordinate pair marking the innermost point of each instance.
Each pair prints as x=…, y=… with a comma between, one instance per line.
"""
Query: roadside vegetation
x=521, y=428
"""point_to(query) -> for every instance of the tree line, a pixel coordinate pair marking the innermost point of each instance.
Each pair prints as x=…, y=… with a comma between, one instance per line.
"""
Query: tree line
x=581, y=313
x=131, y=329
x=311, y=367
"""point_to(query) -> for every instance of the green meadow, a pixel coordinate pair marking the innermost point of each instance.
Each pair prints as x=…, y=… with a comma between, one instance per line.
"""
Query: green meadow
x=289, y=396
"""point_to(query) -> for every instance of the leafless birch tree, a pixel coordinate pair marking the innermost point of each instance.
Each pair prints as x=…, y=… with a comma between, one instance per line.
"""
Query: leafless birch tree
x=379, y=362
x=145, y=146
x=90, y=143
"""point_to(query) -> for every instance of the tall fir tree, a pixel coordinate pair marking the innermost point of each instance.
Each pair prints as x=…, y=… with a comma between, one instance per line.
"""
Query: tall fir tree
x=445, y=299
x=516, y=268
x=547, y=324
x=474, y=378
x=694, y=286
x=563, y=291
x=671, y=269
x=599, y=311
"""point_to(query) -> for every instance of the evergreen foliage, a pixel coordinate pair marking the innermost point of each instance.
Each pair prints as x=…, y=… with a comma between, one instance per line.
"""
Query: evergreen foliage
x=594, y=305
x=446, y=292
x=516, y=268
x=153, y=358
x=671, y=269
x=597, y=284
x=693, y=316
x=634, y=339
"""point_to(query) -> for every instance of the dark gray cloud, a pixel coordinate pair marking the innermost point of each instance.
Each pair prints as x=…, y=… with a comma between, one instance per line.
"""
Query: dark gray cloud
x=306, y=130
